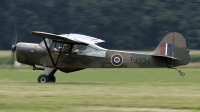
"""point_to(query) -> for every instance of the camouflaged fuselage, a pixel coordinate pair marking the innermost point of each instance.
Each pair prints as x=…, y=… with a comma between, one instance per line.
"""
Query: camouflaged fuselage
x=93, y=56
x=34, y=54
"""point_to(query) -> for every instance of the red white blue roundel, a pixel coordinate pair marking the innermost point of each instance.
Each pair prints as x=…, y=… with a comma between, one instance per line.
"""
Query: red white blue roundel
x=116, y=59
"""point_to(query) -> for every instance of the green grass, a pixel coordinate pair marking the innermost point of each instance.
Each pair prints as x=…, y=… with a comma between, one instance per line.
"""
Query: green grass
x=100, y=90
x=5, y=52
x=5, y=57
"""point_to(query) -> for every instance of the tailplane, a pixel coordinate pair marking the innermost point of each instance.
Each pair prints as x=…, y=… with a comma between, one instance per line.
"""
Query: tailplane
x=173, y=47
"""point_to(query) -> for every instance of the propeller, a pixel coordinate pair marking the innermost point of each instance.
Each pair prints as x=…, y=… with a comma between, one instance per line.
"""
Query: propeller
x=14, y=45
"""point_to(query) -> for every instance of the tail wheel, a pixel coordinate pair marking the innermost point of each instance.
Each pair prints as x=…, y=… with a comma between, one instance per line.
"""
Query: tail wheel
x=43, y=78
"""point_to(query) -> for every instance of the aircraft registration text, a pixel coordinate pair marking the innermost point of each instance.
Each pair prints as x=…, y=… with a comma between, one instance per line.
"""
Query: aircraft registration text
x=140, y=60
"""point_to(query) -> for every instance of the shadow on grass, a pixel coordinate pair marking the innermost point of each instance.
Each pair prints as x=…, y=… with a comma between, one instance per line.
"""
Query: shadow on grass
x=80, y=83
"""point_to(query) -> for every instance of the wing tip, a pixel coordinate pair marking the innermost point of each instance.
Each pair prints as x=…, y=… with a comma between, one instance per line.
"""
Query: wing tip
x=39, y=32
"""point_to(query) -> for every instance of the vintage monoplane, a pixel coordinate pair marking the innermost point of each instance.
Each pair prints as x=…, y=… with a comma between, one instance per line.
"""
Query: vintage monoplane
x=73, y=52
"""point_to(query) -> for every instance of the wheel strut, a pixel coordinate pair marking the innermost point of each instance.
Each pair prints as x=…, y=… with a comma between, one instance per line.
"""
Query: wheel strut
x=181, y=73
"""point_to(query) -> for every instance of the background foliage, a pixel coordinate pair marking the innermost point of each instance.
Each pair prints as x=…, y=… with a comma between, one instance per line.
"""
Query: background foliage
x=127, y=24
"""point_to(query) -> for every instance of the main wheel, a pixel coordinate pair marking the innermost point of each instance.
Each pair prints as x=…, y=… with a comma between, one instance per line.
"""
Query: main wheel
x=43, y=78
x=52, y=79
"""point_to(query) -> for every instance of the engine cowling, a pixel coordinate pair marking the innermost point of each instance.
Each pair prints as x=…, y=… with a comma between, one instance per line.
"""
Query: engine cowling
x=25, y=53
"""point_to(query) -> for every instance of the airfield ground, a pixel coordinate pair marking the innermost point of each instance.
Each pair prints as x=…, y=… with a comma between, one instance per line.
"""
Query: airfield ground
x=100, y=90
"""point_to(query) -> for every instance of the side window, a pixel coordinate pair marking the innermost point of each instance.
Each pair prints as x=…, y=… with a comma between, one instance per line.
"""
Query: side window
x=57, y=46
x=80, y=47
x=48, y=41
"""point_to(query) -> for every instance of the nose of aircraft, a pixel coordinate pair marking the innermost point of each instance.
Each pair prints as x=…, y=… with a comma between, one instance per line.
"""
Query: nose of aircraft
x=25, y=52
x=13, y=48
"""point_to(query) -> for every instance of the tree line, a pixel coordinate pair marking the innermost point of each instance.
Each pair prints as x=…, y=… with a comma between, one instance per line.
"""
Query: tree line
x=123, y=24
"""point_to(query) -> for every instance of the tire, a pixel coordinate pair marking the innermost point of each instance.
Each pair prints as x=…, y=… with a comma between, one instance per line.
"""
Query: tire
x=52, y=79
x=43, y=78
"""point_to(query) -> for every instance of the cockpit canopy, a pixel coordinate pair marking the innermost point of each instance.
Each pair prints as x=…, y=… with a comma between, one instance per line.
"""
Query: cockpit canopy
x=79, y=49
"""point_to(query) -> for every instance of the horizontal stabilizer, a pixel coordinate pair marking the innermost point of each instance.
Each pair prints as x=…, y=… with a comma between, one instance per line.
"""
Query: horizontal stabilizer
x=166, y=57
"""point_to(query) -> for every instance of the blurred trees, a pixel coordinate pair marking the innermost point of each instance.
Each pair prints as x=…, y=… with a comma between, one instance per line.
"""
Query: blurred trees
x=123, y=24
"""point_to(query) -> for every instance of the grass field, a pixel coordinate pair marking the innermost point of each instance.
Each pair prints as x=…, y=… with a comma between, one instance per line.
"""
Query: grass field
x=100, y=90
x=5, y=53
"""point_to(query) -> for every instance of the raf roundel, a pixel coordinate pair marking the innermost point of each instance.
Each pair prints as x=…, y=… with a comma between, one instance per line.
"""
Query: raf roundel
x=116, y=59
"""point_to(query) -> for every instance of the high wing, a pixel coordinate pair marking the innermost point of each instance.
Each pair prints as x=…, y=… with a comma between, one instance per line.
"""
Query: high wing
x=89, y=39
x=69, y=38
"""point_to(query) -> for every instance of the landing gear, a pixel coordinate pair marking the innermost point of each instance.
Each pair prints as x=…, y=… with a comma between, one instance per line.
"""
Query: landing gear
x=43, y=78
x=48, y=75
x=49, y=72
x=52, y=79
x=181, y=73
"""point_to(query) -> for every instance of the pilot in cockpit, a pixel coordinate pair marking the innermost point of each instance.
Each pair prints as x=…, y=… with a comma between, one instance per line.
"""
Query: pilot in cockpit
x=66, y=47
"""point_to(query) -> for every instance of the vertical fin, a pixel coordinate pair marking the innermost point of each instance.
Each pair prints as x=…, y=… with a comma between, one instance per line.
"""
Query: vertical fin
x=173, y=45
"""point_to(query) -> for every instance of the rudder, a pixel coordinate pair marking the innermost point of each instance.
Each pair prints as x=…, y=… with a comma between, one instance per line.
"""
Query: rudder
x=173, y=46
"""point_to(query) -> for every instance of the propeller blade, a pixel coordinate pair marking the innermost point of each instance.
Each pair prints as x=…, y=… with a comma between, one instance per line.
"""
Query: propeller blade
x=16, y=36
x=13, y=48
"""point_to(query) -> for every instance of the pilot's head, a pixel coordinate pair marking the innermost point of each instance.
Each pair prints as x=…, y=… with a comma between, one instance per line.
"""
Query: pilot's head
x=66, y=47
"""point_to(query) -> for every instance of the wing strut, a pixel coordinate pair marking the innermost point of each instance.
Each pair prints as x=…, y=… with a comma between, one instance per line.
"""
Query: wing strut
x=59, y=53
x=54, y=65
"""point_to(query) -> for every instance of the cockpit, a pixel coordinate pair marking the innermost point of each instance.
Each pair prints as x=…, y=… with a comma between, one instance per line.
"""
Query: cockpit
x=80, y=49
x=64, y=47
